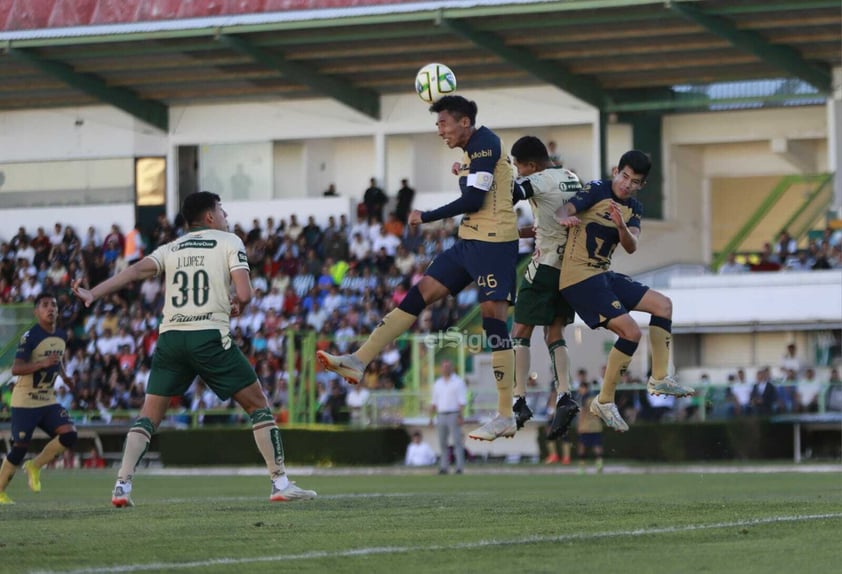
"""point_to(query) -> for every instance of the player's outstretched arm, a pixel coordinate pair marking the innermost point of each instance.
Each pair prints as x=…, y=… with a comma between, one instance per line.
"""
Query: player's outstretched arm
x=21, y=367
x=470, y=201
x=144, y=268
x=566, y=215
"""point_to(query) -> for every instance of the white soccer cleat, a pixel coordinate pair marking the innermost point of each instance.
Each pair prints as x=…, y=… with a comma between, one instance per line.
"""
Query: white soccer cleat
x=348, y=367
x=497, y=427
x=609, y=414
x=667, y=386
x=290, y=493
x=122, y=495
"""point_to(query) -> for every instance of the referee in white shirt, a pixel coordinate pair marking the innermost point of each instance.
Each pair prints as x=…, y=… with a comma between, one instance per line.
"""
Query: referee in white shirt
x=448, y=400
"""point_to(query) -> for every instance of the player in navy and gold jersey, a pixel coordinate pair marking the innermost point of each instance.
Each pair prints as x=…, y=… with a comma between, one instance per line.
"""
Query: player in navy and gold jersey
x=38, y=362
x=539, y=302
x=200, y=268
x=603, y=215
x=486, y=253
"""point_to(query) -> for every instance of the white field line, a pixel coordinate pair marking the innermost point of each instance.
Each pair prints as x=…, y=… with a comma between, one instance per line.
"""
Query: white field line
x=199, y=499
x=319, y=554
x=516, y=469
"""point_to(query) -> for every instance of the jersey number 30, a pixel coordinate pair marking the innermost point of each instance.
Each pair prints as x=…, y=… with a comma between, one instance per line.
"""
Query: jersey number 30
x=197, y=288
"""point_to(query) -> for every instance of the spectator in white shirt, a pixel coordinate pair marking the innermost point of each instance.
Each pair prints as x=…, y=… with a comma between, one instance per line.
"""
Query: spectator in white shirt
x=385, y=241
x=333, y=300
x=739, y=392
x=273, y=300
x=149, y=291
x=419, y=453
x=356, y=400
x=124, y=338
x=57, y=235
x=360, y=248
x=26, y=251
x=344, y=336
x=107, y=343
x=30, y=289
x=732, y=266
x=807, y=392
x=450, y=395
x=790, y=360
x=317, y=316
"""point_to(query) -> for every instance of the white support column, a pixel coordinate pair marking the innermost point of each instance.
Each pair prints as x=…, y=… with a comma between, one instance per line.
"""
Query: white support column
x=707, y=221
x=597, y=169
x=380, y=158
x=173, y=204
x=834, y=139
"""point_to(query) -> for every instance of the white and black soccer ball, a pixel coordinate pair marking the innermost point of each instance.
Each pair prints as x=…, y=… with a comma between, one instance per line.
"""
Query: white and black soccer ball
x=434, y=81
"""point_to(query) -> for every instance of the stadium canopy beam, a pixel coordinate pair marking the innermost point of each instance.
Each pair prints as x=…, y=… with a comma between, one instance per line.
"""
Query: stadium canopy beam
x=361, y=99
x=782, y=57
x=583, y=87
x=152, y=112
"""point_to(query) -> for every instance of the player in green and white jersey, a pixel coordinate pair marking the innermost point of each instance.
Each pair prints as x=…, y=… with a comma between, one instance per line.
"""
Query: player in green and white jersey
x=199, y=268
x=539, y=302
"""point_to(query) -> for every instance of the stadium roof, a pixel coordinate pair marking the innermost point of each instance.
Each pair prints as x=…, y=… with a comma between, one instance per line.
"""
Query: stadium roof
x=619, y=56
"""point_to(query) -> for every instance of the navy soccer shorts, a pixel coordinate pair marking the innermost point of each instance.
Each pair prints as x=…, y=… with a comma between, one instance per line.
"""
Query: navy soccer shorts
x=491, y=265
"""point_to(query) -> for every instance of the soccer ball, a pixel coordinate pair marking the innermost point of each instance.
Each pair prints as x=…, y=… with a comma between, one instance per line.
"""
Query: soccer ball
x=434, y=81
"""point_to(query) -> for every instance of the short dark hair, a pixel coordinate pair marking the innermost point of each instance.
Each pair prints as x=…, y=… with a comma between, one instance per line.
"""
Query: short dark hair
x=458, y=107
x=637, y=160
x=196, y=204
x=530, y=148
x=44, y=295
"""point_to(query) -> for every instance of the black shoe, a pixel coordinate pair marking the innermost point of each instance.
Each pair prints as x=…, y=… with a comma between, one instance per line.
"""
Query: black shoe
x=565, y=411
x=522, y=412
x=442, y=471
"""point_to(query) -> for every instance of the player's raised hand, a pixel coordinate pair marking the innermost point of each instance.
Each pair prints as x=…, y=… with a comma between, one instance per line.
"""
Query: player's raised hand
x=568, y=221
x=617, y=215
x=454, y=169
x=83, y=294
x=415, y=218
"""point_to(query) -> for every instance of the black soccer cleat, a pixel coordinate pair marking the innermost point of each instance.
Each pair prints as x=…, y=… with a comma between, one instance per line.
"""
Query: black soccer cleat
x=522, y=412
x=566, y=410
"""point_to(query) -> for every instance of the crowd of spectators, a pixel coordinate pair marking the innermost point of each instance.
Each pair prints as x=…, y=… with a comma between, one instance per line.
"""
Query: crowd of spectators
x=823, y=252
x=336, y=281
x=787, y=389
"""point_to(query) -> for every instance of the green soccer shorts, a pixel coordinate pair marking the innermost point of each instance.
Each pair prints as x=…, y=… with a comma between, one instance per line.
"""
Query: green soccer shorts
x=182, y=355
x=539, y=301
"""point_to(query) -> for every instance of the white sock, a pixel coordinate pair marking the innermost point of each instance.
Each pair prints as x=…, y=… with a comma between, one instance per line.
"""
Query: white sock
x=281, y=482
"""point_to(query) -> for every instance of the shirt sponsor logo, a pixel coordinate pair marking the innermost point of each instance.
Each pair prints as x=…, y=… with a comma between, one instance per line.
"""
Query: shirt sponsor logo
x=182, y=318
x=195, y=244
x=482, y=153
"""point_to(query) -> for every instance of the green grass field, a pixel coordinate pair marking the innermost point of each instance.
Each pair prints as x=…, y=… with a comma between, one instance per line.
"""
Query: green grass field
x=386, y=522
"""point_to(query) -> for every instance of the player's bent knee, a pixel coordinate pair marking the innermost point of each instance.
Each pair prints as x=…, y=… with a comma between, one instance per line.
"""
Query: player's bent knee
x=663, y=307
x=626, y=329
x=17, y=453
x=68, y=439
x=146, y=424
x=667, y=307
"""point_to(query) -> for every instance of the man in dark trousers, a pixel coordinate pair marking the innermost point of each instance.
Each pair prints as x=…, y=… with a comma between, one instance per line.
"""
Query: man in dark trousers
x=405, y=196
x=374, y=199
